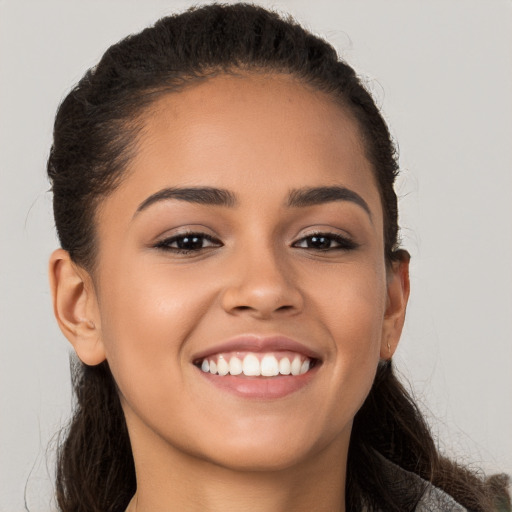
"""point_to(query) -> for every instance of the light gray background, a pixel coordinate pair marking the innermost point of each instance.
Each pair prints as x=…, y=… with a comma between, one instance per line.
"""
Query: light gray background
x=442, y=71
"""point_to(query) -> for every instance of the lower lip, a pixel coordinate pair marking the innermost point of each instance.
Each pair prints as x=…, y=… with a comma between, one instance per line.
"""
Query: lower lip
x=264, y=388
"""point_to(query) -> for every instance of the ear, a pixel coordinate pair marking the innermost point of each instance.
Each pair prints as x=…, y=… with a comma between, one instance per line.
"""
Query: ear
x=398, y=288
x=76, y=308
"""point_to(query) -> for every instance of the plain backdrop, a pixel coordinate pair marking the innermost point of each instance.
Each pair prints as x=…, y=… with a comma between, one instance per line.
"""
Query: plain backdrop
x=442, y=73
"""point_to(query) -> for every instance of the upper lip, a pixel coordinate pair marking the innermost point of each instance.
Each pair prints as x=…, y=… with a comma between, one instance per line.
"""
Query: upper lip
x=253, y=343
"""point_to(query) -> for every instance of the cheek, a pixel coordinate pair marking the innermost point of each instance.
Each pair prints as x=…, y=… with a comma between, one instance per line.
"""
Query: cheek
x=146, y=317
x=144, y=303
x=353, y=313
x=351, y=303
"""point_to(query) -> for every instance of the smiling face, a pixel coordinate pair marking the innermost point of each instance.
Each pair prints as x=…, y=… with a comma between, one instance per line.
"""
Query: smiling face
x=246, y=238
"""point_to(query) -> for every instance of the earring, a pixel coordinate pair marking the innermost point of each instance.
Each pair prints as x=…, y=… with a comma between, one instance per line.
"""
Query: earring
x=389, y=348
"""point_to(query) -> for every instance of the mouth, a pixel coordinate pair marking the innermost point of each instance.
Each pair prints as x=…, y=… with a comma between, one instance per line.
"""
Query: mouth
x=257, y=364
x=255, y=367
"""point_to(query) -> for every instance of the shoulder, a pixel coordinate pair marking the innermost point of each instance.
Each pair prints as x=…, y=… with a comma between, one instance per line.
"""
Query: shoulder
x=436, y=500
x=432, y=499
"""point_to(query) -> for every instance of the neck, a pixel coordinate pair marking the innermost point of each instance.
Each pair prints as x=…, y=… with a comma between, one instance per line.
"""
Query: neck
x=168, y=480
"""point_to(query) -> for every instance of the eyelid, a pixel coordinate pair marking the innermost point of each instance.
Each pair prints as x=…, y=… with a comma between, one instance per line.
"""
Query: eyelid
x=345, y=241
x=183, y=230
x=164, y=243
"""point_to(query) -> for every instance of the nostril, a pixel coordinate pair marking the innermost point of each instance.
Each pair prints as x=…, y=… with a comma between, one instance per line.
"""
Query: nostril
x=261, y=301
x=280, y=308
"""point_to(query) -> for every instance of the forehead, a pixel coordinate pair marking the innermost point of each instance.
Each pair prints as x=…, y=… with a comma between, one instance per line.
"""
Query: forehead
x=255, y=134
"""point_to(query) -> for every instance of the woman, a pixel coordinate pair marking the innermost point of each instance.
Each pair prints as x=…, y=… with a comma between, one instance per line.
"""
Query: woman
x=231, y=280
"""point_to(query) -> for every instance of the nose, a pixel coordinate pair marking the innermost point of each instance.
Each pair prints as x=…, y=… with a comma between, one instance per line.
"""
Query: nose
x=261, y=285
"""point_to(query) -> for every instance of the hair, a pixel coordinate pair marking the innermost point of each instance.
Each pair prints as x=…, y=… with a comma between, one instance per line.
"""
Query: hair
x=95, y=136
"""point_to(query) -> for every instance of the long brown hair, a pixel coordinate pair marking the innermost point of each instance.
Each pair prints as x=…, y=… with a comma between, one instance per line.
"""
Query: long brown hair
x=95, y=130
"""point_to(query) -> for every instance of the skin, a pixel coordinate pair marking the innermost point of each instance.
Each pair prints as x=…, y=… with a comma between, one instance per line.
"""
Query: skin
x=148, y=310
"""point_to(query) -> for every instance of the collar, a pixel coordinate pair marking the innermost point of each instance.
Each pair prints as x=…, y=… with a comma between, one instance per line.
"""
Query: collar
x=432, y=498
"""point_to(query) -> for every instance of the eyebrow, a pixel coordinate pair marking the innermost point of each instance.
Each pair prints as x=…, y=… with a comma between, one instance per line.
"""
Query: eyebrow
x=304, y=197
x=297, y=198
x=199, y=195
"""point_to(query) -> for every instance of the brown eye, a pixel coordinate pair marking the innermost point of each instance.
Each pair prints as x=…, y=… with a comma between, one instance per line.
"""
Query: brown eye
x=188, y=242
x=319, y=242
x=325, y=242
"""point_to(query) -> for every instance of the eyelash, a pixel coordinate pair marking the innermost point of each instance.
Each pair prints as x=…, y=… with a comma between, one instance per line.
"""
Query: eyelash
x=166, y=243
x=344, y=243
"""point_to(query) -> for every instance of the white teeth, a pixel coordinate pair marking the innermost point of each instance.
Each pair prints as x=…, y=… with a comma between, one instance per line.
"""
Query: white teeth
x=295, y=367
x=285, y=367
x=222, y=366
x=235, y=366
x=269, y=366
x=251, y=366
x=304, y=367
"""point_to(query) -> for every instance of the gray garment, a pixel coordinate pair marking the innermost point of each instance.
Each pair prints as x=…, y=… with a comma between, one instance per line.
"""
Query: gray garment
x=435, y=500
x=432, y=498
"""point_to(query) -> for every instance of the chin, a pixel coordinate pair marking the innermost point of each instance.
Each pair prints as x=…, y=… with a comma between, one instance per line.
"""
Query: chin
x=275, y=449
x=265, y=460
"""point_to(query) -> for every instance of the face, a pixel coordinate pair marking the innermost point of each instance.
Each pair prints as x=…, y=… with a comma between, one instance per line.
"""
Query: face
x=247, y=237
